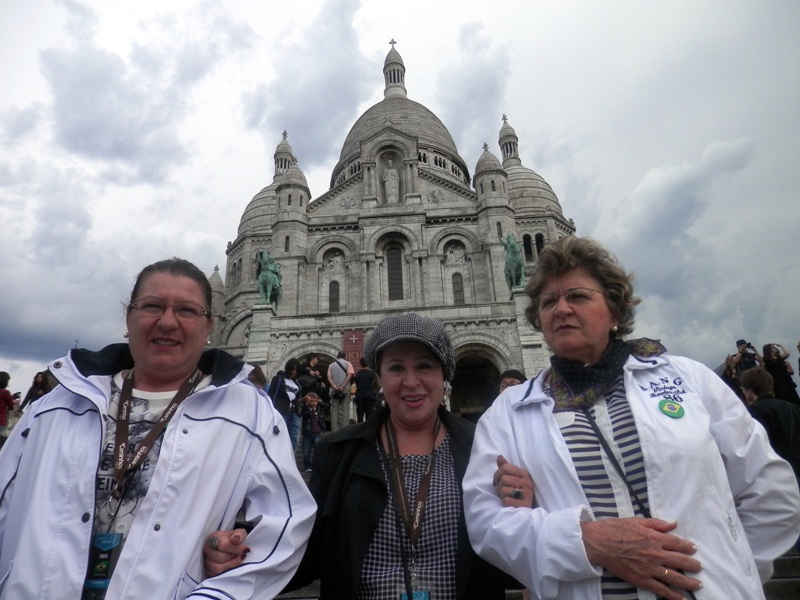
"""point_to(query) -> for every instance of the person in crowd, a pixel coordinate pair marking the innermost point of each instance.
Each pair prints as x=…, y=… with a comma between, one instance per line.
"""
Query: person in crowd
x=729, y=373
x=368, y=540
x=781, y=419
x=284, y=389
x=310, y=378
x=39, y=387
x=746, y=357
x=6, y=404
x=112, y=481
x=313, y=426
x=781, y=370
x=650, y=476
x=340, y=376
x=257, y=377
x=365, y=379
x=510, y=378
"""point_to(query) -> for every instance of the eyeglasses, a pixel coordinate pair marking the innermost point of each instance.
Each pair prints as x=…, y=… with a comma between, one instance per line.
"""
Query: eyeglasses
x=579, y=296
x=155, y=307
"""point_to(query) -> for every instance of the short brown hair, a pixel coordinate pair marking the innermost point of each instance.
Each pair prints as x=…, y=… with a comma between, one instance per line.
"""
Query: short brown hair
x=588, y=255
x=759, y=381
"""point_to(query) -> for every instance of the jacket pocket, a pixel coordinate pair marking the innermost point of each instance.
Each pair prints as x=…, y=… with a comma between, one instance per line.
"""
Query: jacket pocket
x=186, y=586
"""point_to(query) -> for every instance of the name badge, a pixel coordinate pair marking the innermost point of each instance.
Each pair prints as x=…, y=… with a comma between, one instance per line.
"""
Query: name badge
x=105, y=551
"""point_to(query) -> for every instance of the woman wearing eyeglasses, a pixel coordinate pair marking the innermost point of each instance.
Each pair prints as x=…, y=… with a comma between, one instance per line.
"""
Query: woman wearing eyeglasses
x=111, y=481
x=651, y=479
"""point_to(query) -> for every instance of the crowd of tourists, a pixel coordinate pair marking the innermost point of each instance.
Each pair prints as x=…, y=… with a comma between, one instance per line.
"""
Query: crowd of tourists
x=163, y=468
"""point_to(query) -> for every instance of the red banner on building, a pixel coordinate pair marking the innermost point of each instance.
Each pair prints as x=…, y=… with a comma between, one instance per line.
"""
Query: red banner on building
x=353, y=343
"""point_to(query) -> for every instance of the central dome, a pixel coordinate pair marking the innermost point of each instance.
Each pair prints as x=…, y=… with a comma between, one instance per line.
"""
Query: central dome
x=404, y=115
x=397, y=112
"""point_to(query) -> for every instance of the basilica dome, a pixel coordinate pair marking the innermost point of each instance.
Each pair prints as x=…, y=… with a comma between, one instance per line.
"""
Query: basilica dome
x=397, y=111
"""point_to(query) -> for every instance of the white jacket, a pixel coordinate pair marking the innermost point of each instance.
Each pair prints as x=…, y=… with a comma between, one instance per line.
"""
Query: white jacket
x=712, y=470
x=226, y=448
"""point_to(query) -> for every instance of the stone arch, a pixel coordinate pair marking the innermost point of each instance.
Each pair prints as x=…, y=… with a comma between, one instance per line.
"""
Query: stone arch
x=388, y=233
x=480, y=358
x=470, y=239
x=404, y=147
x=235, y=323
x=316, y=251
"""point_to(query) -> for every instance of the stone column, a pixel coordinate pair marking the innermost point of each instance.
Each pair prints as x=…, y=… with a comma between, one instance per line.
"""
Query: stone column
x=535, y=355
x=258, y=346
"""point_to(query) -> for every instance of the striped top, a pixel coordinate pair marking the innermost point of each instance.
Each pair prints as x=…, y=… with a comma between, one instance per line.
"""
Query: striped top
x=596, y=472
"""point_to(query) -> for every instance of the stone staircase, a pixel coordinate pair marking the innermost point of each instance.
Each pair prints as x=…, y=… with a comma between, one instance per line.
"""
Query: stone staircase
x=785, y=582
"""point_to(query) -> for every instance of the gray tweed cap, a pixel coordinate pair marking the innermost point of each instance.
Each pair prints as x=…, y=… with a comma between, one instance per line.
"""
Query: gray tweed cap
x=412, y=327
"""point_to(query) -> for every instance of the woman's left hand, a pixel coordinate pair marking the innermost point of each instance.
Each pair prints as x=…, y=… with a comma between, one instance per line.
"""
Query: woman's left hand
x=223, y=551
x=514, y=485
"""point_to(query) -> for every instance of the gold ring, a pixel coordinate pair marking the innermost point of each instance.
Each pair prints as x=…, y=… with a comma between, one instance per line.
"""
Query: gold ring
x=666, y=572
x=213, y=541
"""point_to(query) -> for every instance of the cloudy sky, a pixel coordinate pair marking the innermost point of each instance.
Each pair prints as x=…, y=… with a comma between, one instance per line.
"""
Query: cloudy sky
x=131, y=132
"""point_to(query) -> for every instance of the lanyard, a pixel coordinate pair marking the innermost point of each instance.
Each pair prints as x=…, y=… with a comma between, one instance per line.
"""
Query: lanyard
x=411, y=519
x=123, y=469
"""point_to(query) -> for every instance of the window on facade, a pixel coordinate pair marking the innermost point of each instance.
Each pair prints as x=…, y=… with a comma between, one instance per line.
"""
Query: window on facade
x=494, y=189
x=539, y=243
x=286, y=244
x=458, y=289
x=394, y=270
x=481, y=187
x=499, y=230
x=333, y=297
x=526, y=244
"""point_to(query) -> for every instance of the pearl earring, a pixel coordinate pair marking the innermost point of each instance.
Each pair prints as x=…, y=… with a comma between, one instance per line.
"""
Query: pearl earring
x=125, y=335
x=614, y=329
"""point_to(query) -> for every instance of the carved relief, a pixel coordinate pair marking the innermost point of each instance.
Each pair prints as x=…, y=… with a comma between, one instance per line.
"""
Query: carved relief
x=348, y=202
x=454, y=254
x=435, y=196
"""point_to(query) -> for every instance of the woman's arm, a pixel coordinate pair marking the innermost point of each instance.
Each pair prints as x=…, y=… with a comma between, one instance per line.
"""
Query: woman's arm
x=280, y=508
x=763, y=485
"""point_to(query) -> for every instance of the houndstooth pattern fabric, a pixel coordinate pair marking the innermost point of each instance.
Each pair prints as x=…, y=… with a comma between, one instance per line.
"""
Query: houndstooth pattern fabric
x=437, y=546
x=412, y=327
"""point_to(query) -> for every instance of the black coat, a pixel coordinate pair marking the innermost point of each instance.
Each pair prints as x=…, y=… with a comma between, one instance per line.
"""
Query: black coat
x=350, y=490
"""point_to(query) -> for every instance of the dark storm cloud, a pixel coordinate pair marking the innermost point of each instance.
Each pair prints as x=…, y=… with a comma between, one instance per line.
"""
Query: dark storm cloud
x=658, y=220
x=127, y=111
x=19, y=122
x=471, y=92
x=319, y=85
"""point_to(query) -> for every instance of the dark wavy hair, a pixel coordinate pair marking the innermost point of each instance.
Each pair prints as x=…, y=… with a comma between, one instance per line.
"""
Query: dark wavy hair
x=291, y=365
x=591, y=257
x=179, y=268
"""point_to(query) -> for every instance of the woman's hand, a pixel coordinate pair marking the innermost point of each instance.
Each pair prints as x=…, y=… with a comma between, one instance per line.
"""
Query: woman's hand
x=223, y=551
x=641, y=552
x=514, y=485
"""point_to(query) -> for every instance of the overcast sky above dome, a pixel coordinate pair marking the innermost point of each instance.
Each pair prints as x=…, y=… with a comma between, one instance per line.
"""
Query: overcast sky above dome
x=135, y=131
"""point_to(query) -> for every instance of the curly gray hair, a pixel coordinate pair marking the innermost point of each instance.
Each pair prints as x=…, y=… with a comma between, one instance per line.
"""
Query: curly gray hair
x=588, y=255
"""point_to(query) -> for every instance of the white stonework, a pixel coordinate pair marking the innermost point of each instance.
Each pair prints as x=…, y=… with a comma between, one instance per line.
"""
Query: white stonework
x=358, y=253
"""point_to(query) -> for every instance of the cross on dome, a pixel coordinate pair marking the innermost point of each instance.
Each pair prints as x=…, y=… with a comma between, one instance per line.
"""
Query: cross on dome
x=392, y=42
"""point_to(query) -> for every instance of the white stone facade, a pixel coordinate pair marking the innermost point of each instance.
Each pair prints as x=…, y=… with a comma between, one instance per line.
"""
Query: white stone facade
x=402, y=228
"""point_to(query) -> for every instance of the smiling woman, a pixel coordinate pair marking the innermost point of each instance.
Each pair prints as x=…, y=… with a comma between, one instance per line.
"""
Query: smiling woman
x=132, y=426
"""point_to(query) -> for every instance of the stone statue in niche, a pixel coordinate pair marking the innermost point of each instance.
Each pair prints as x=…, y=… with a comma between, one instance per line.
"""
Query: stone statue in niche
x=391, y=184
x=335, y=264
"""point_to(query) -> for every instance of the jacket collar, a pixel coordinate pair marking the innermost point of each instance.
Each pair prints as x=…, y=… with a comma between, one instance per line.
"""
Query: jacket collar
x=532, y=391
x=114, y=358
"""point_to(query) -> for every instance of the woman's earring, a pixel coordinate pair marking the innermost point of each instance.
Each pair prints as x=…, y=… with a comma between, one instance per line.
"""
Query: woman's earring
x=208, y=342
x=125, y=335
x=614, y=329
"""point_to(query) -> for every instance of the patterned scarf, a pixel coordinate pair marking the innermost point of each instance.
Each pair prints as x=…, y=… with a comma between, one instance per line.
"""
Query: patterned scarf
x=574, y=386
